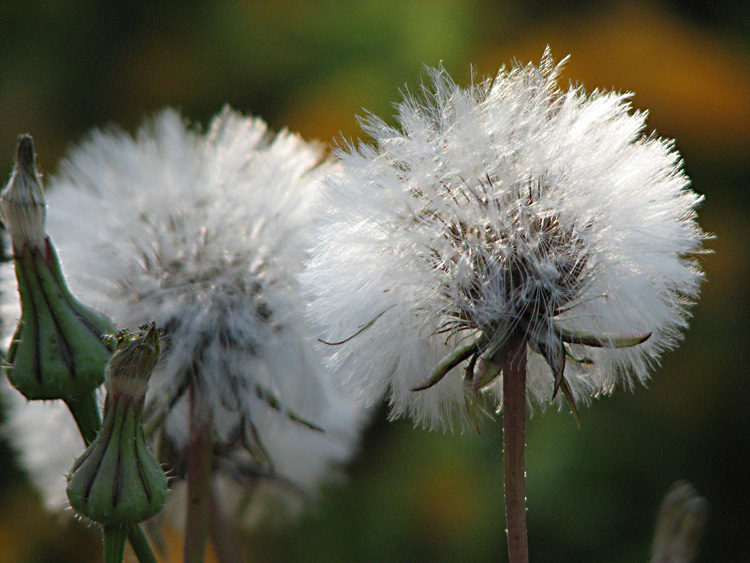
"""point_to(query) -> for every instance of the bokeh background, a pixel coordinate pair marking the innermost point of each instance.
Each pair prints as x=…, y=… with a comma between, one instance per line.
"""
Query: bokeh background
x=312, y=67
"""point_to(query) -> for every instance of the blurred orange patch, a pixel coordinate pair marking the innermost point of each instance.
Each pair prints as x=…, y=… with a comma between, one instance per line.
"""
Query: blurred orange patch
x=447, y=504
x=174, y=540
x=696, y=89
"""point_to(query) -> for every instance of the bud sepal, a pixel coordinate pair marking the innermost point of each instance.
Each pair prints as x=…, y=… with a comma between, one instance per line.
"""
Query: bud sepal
x=118, y=481
x=57, y=351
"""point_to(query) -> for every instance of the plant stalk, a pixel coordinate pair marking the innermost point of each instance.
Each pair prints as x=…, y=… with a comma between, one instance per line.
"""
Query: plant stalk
x=139, y=542
x=514, y=445
x=221, y=533
x=199, y=469
x=114, y=543
x=85, y=411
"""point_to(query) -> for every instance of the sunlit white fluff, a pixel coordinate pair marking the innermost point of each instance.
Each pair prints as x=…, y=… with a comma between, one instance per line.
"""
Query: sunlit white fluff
x=507, y=203
x=205, y=234
x=46, y=440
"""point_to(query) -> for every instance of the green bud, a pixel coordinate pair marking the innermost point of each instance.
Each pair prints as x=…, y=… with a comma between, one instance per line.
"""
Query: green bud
x=23, y=205
x=133, y=363
x=118, y=480
x=57, y=351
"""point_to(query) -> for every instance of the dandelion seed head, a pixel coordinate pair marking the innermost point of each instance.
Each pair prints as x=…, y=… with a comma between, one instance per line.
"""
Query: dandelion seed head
x=507, y=207
x=205, y=234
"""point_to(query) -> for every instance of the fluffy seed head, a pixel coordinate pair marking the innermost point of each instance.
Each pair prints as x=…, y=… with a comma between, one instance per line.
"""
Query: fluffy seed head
x=204, y=234
x=508, y=207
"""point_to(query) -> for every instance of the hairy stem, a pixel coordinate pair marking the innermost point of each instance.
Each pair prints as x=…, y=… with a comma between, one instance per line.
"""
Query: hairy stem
x=199, y=469
x=514, y=444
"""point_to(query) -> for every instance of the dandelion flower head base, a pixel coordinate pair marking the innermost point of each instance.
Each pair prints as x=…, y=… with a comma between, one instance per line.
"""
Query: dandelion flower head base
x=509, y=209
x=518, y=279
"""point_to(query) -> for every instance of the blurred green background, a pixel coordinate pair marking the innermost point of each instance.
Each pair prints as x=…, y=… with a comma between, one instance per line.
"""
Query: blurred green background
x=312, y=66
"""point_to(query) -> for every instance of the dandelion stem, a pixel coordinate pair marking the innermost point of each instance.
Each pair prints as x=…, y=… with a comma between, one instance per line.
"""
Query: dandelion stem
x=114, y=543
x=139, y=542
x=199, y=468
x=221, y=533
x=85, y=412
x=514, y=444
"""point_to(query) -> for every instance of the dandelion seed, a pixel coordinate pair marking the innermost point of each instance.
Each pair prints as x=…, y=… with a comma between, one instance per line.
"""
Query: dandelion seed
x=205, y=234
x=507, y=210
x=510, y=242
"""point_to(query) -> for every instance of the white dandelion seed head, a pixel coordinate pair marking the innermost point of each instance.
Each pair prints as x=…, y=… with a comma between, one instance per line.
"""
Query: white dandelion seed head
x=46, y=440
x=205, y=234
x=513, y=205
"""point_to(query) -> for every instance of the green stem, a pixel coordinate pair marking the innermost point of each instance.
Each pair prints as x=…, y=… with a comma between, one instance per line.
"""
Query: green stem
x=199, y=469
x=514, y=444
x=114, y=543
x=139, y=543
x=85, y=411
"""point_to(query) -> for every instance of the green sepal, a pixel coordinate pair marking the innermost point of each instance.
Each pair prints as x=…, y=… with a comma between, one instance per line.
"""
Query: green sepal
x=97, y=322
x=582, y=360
x=118, y=481
x=570, y=399
x=267, y=396
x=57, y=351
x=472, y=408
x=451, y=361
x=554, y=354
x=490, y=365
x=601, y=341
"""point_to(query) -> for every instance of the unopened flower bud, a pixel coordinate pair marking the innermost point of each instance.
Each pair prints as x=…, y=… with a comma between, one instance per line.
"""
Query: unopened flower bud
x=23, y=205
x=133, y=363
x=118, y=480
x=57, y=351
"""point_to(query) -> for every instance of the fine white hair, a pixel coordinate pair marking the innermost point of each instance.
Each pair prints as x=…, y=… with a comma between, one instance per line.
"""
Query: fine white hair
x=508, y=202
x=205, y=234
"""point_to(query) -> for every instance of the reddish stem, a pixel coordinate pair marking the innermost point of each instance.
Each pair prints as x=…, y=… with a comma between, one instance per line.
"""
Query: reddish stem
x=514, y=445
x=221, y=533
x=199, y=469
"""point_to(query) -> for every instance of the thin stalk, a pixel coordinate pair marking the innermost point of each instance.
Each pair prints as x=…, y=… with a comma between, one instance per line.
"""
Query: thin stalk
x=139, y=542
x=85, y=411
x=221, y=533
x=199, y=468
x=514, y=445
x=114, y=543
